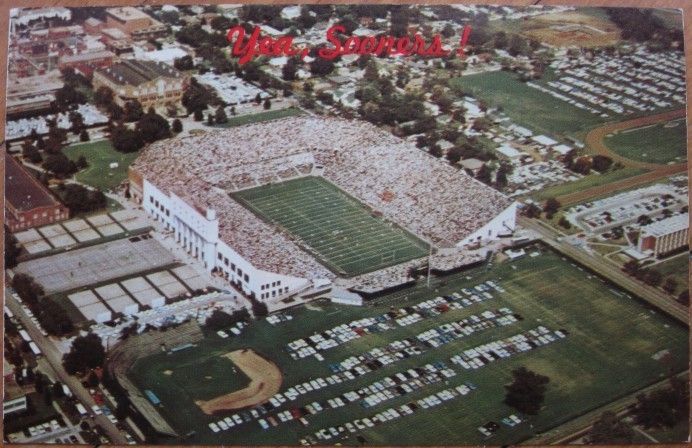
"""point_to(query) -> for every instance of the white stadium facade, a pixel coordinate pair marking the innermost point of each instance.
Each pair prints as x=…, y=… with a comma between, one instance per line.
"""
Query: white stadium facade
x=185, y=184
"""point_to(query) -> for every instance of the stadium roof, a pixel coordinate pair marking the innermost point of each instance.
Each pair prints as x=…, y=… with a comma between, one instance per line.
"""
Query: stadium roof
x=424, y=195
x=667, y=226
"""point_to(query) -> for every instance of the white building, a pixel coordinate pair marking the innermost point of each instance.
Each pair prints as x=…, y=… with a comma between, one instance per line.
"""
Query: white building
x=665, y=236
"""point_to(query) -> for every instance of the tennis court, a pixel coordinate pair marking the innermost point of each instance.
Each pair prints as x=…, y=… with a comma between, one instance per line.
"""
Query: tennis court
x=341, y=232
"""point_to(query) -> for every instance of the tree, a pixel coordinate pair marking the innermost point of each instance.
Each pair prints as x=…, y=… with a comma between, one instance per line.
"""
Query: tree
x=196, y=97
x=59, y=165
x=670, y=285
x=80, y=199
x=527, y=391
x=481, y=124
x=582, y=165
x=220, y=115
x=551, y=206
x=288, y=71
x=501, y=177
x=484, y=174
x=221, y=23
x=30, y=152
x=198, y=115
x=133, y=111
x=12, y=249
x=126, y=140
x=152, y=127
x=67, y=96
x=684, y=297
x=103, y=97
x=220, y=319
x=652, y=277
x=84, y=136
x=259, y=309
x=267, y=104
x=631, y=267
x=86, y=353
x=183, y=64
x=609, y=429
x=564, y=223
x=58, y=392
x=663, y=408
x=454, y=154
x=177, y=126
x=601, y=163
x=321, y=67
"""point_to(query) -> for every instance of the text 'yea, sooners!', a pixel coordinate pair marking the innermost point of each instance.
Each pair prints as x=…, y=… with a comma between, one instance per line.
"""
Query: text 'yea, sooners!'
x=257, y=45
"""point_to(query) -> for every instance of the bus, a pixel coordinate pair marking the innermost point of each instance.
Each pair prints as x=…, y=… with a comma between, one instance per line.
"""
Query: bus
x=34, y=348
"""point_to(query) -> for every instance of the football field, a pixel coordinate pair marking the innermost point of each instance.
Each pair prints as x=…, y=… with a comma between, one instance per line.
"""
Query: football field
x=340, y=231
x=614, y=345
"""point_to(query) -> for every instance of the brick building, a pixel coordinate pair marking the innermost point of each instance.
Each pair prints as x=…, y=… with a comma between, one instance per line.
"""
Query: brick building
x=135, y=23
x=665, y=236
x=151, y=83
x=27, y=202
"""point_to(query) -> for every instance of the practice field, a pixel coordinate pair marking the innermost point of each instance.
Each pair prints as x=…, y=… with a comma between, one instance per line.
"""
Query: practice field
x=340, y=231
x=525, y=105
x=614, y=347
x=660, y=143
x=99, y=156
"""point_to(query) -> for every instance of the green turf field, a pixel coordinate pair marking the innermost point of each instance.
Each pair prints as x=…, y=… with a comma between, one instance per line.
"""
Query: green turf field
x=338, y=229
x=525, y=105
x=655, y=144
x=592, y=180
x=100, y=155
x=607, y=354
x=185, y=373
x=261, y=116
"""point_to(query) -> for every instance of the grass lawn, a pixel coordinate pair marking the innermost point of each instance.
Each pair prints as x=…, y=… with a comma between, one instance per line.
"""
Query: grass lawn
x=261, y=116
x=338, y=229
x=186, y=373
x=592, y=180
x=676, y=267
x=525, y=105
x=100, y=155
x=607, y=354
x=655, y=144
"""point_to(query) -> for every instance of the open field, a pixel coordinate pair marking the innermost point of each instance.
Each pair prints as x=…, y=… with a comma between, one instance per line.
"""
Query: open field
x=342, y=233
x=676, y=267
x=652, y=143
x=100, y=155
x=261, y=116
x=572, y=28
x=607, y=354
x=526, y=106
x=592, y=180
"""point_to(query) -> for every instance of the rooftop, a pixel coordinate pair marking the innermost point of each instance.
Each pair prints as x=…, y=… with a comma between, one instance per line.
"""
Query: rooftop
x=22, y=191
x=667, y=226
x=127, y=13
x=135, y=72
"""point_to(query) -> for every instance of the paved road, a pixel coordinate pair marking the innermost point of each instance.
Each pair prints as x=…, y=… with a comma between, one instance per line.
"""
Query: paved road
x=595, y=142
x=652, y=295
x=54, y=357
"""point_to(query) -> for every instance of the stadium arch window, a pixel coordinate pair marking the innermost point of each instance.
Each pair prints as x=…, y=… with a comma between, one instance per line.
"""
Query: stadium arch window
x=273, y=284
x=278, y=283
x=240, y=272
x=151, y=199
x=246, y=278
x=225, y=261
x=232, y=266
x=220, y=256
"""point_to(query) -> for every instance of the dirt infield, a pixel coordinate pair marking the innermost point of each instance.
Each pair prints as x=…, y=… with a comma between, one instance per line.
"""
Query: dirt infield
x=265, y=381
x=595, y=143
x=572, y=28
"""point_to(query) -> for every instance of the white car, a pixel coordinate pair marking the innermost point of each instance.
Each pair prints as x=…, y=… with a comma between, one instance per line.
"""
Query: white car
x=214, y=427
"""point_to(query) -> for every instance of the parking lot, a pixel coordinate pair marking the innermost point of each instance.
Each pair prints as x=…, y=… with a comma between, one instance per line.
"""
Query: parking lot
x=429, y=367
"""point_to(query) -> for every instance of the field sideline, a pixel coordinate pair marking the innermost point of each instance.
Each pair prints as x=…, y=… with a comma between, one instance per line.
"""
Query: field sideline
x=607, y=354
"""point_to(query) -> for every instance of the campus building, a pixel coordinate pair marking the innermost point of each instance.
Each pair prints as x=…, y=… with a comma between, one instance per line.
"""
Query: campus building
x=135, y=23
x=151, y=83
x=27, y=202
x=665, y=236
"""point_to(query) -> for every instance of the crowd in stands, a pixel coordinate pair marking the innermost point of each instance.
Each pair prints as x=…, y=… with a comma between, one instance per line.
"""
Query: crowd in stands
x=418, y=192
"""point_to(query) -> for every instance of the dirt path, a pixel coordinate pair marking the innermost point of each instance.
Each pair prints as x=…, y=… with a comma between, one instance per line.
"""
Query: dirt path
x=595, y=142
x=265, y=382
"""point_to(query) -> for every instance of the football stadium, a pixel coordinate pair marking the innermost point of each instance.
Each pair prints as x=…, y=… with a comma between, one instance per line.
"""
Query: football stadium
x=338, y=204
